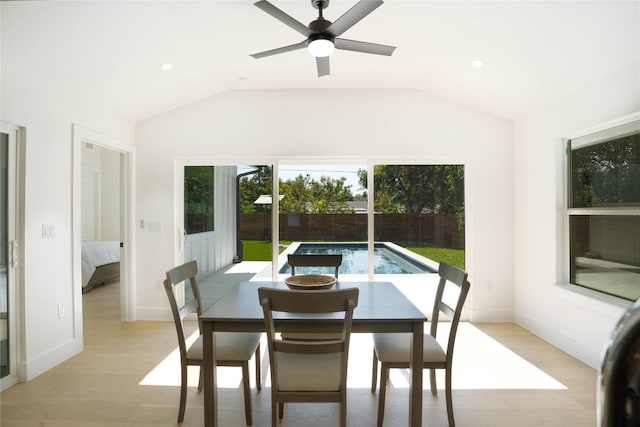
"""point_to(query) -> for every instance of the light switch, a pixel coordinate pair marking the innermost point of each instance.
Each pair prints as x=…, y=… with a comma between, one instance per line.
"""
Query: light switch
x=48, y=231
x=154, y=226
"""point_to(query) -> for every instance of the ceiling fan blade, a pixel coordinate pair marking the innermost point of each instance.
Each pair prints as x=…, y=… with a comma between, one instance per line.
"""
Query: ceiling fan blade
x=323, y=65
x=283, y=17
x=284, y=49
x=352, y=16
x=365, y=47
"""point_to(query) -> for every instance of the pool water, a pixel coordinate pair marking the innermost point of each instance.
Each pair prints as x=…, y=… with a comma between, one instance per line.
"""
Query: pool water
x=355, y=259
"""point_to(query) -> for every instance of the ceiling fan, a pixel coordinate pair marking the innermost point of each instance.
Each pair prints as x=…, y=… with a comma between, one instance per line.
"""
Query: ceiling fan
x=322, y=36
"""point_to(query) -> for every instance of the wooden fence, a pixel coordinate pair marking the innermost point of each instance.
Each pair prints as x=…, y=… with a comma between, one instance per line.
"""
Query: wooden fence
x=433, y=229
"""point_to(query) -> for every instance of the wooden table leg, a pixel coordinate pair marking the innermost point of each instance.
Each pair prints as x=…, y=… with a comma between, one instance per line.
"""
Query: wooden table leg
x=415, y=403
x=209, y=373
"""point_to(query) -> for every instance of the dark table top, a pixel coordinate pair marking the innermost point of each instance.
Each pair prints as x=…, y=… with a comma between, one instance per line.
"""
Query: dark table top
x=379, y=303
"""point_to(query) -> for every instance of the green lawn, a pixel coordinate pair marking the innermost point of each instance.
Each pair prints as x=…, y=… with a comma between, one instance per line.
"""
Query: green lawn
x=258, y=250
x=446, y=255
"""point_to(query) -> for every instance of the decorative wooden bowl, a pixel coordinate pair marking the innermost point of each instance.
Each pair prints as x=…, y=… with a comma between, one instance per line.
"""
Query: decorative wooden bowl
x=310, y=281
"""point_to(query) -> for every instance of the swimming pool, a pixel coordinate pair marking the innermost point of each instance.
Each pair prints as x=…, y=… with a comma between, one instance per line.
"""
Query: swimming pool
x=388, y=259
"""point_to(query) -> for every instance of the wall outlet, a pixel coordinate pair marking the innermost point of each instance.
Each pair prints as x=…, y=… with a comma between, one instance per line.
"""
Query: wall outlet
x=62, y=311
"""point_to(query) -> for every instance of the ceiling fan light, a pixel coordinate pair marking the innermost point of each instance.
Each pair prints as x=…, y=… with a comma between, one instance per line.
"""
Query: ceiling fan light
x=321, y=47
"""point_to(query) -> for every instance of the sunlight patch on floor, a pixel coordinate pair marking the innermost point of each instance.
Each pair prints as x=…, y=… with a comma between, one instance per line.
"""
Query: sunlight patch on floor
x=167, y=372
x=247, y=267
x=480, y=363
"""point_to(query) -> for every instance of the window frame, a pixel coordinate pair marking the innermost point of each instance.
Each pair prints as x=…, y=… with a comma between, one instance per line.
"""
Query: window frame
x=569, y=211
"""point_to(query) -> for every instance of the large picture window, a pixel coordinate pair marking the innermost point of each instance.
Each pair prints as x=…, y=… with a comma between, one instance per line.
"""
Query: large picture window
x=604, y=210
x=414, y=217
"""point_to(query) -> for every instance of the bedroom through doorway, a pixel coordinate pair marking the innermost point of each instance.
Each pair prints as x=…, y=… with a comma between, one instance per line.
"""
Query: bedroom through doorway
x=101, y=216
x=103, y=211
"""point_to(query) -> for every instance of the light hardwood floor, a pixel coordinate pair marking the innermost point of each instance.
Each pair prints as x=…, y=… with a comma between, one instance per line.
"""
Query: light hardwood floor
x=127, y=376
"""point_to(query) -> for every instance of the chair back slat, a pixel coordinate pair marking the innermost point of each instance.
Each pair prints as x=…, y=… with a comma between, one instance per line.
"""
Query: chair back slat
x=452, y=274
x=314, y=260
x=182, y=272
x=304, y=301
x=447, y=309
x=309, y=347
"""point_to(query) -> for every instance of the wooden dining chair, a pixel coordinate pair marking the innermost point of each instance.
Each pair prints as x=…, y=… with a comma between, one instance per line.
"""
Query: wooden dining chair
x=393, y=350
x=232, y=349
x=308, y=371
x=315, y=260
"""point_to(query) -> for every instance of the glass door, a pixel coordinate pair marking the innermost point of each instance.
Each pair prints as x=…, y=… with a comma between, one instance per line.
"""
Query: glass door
x=4, y=258
x=323, y=210
x=8, y=251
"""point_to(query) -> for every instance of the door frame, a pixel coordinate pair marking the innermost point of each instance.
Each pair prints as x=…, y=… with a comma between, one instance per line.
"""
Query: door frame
x=15, y=199
x=83, y=135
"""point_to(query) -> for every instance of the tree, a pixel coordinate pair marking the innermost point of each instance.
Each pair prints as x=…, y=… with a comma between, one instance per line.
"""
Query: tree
x=607, y=173
x=417, y=188
x=330, y=196
x=253, y=186
x=296, y=194
x=302, y=194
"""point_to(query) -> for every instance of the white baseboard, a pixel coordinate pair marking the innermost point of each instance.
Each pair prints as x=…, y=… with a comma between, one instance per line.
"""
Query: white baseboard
x=566, y=343
x=490, y=316
x=152, y=313
x=47, y=360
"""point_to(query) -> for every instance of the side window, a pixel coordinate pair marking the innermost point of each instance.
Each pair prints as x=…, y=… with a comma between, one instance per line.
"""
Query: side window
x=604, y=210
x=198, y=199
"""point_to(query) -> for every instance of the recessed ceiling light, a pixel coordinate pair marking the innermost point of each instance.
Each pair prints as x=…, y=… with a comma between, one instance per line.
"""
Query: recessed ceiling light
x=166, y=67
x=477, y=63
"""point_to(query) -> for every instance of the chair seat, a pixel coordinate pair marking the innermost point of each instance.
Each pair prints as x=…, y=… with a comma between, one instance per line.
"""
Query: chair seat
x=395, y=348
x=297, y=373
x=229, y=346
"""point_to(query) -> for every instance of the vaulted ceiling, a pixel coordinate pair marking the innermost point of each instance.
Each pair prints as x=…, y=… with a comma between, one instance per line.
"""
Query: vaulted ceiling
x=111, y=51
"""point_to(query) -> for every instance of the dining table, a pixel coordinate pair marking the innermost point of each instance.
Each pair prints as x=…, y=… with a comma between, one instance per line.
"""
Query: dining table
x=382, y=307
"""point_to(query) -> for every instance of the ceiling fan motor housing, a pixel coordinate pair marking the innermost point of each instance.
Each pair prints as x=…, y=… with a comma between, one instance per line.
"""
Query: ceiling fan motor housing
x=318, y=28
x=320, y=3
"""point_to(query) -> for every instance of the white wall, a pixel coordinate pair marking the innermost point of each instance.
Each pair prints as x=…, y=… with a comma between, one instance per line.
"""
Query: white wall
x=385, y=125
x=47, y=114
x=576, y=323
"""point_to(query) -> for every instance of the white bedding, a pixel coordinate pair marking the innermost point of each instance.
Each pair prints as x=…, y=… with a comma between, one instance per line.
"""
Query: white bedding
x=95, y=254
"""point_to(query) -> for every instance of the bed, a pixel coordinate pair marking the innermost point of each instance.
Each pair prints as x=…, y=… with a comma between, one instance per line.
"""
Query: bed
x=100, y=263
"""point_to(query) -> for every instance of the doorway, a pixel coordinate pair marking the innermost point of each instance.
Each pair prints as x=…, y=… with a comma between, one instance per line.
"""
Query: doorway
x=120, y=164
